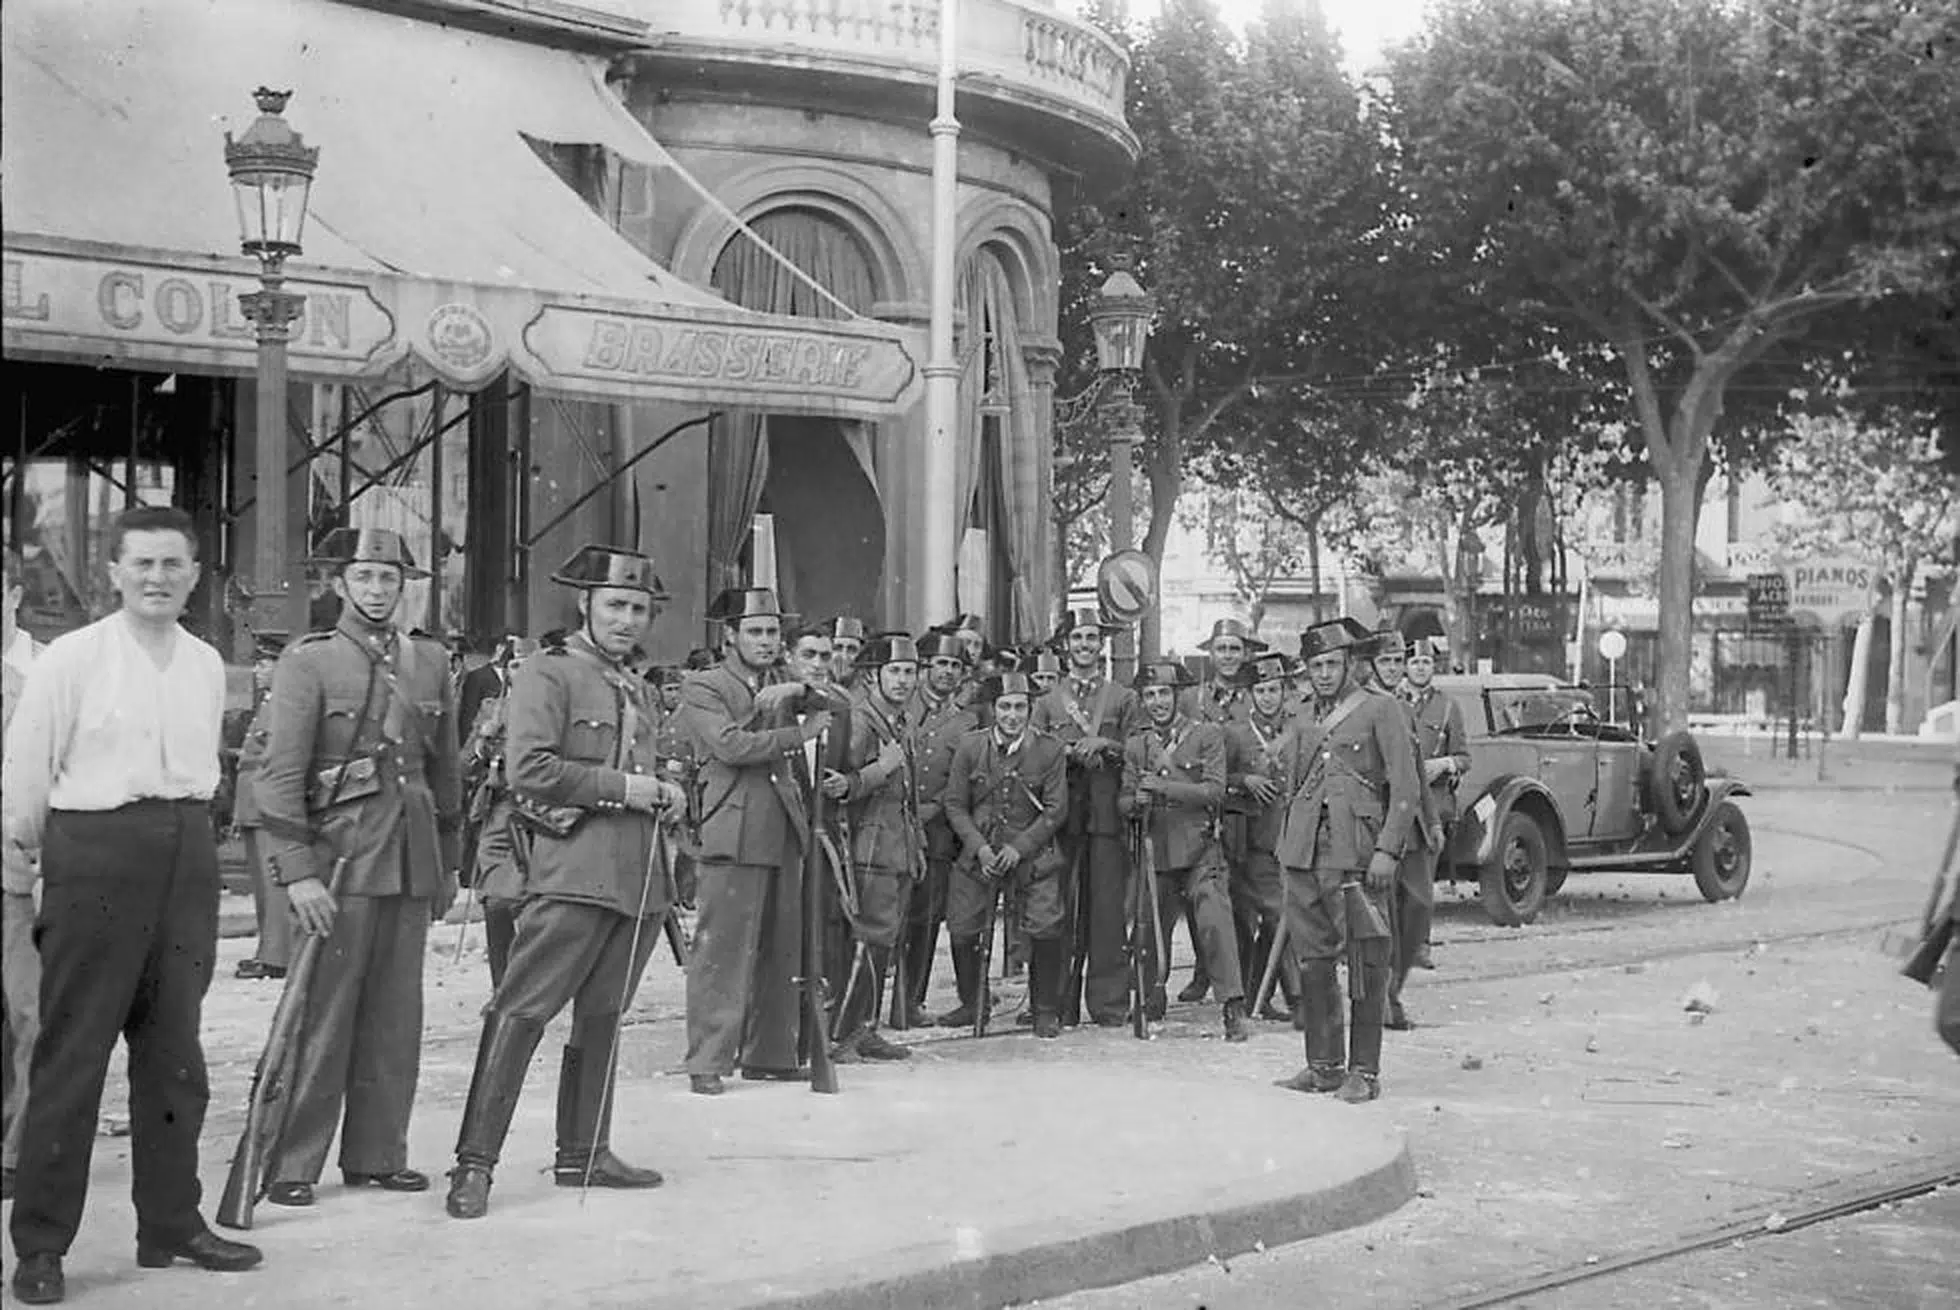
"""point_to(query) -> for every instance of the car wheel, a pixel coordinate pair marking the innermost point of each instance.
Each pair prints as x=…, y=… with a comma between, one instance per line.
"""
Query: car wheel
x=1723, y=854
x=1513, y=882
x=1554, y=882
x=1677, y=783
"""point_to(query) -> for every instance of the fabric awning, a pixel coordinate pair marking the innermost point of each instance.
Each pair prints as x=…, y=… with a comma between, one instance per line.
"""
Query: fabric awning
x=436, y=232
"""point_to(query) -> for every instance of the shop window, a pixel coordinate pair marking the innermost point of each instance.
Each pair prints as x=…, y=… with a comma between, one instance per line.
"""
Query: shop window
x=58, y=515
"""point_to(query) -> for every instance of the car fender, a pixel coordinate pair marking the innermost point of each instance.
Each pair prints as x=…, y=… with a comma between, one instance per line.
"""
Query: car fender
x=1475, y=840
x=1720, y=787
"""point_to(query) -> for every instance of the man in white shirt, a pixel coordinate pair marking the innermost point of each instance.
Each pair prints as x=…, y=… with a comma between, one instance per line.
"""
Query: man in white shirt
x=20, y=965
x=111, y=762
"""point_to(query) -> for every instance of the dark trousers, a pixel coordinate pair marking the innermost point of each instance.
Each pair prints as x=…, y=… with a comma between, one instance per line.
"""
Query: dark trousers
x=128, y=932
x=1202, y=891
x=1946, y=1012
x=361, y=1046
x=270, y=906
x=742, y=1002
x=1105, y=888
x=1412, y=905
x=586, y=956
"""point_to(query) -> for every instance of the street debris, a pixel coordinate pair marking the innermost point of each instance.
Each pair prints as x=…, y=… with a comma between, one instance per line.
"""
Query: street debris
x=1473, y=1062
x=1700, y=999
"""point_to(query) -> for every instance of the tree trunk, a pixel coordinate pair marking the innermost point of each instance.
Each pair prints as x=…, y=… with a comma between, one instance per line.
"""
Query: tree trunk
x=1895, y=665
x=1855, y=685
x=1165, y=468
x=1313, y=567
x=1679, y=482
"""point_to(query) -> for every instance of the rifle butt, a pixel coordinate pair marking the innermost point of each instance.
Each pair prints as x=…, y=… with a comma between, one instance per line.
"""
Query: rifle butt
x=241, y=1192
x=1923, y=965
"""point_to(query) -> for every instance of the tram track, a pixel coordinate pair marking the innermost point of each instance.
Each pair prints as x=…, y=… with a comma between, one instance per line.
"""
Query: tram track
x=1805, y=1208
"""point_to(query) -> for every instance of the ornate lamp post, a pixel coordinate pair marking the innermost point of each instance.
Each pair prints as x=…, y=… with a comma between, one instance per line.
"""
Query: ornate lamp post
x=1120, y=318
x=271, y=177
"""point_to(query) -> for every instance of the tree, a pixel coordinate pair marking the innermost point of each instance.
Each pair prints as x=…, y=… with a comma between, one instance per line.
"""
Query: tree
x=1254, y=546
x=1875, y=489
x=1686, y=186
x=1256, y=214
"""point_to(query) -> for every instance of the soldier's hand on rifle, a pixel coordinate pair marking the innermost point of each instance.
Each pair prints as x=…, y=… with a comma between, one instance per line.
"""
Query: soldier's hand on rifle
x=1004, y=861
x=1381, y=871
x=1440, y=767
x=1261, y=788
x=835, y=785
x=778, y=694
x=313, y=906
x=815, y=725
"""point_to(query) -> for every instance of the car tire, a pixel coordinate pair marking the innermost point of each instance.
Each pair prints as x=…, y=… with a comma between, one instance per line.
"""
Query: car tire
x=1512, y=884
x=1723, y=854
x=1677, y=783
x=1554, y=882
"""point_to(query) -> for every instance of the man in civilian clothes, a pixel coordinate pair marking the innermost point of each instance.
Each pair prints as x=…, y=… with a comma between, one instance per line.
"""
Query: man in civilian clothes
x=936, y=720
x=742, y=1003
x=1443, y=752
x=1348, y=822
x=20, y=966
x=361, y=771
x=1093, y=717
x=586, y=798
x=111, y=763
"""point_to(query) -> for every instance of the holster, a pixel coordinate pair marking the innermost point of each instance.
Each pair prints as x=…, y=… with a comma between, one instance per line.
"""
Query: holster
x=337, y=784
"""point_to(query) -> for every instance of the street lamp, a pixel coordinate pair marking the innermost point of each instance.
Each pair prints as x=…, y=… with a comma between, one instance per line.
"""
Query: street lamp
x=272, y=177
x=1120, y=317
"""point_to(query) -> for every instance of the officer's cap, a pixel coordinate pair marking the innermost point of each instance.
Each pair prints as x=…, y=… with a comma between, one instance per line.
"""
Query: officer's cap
x=664, y=675
x=1162, y=673
x=1387, y=641
x=1343, y=634
x=1042, y=661
x=1233, y=628
x=606, y=566
x=888, y=648
x=1006, y=684
x=344, y=546
x=738, y=603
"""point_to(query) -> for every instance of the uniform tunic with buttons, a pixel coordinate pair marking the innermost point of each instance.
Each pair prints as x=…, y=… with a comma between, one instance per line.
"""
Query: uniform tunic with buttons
x=882, y=811
x=1007, y=794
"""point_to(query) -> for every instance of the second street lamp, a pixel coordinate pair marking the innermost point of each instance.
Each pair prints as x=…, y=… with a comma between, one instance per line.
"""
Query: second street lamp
x=1120, y=317
x=272, y=179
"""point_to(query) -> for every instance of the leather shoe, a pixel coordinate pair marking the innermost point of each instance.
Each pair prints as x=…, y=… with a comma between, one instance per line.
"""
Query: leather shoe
x=402, y=1180
x=1047, y=1024
x=1314, y=1079
x=1235, y=1030
x=1195, y=990
x=960, y=1016
x=705, y=1084
x=1112, y=1020
x=607, y=1170
x=1360, y=1087
x=469, y=1192
x=756, y=1073
x=296, y=1194
x=875, y=1046
x=1272, y=1013
x=206, y=1249
x=38, y=1280
x=253, y=969
x=1398, y=1018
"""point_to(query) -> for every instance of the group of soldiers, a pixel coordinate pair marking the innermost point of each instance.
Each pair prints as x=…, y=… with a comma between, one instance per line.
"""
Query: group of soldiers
x=1291, y=811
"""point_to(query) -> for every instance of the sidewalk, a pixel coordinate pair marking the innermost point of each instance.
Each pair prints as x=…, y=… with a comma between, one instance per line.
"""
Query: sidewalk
x=1867, y=764
x=942, y=1182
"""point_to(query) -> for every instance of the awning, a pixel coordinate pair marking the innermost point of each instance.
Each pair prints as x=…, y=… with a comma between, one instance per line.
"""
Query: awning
x=436, y=231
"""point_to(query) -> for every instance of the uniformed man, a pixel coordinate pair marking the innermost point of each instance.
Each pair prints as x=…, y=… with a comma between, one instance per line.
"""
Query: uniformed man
x=879, y=795
x=808, y=658
x=1093, y=717
x=274, y=952
x=846, y=636
x=936, y=720
x=1006, y=797
x=361, y=771
x=1443, y=751
x=1044, y=670
x=1347, y=824
x=1222, y=698
x=742, y=1002
x=1258, y=783
x=586, y=796
x=1174, y=784
x=675, y=746
x=497, y=882
x=1388, y=655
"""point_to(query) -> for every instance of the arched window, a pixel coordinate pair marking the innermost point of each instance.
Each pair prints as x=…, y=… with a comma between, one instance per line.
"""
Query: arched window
x=813, y=241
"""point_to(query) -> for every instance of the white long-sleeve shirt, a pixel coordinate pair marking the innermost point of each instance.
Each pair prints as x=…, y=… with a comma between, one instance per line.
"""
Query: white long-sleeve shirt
x=100, y=724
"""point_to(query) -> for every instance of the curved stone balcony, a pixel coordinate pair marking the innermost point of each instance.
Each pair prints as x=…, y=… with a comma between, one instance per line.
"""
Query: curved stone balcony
x=1042, y=80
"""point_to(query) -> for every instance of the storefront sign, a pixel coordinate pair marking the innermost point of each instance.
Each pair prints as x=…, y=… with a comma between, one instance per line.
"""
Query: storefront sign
x=1643, y=613
x=1832, y=589
x=180, y=311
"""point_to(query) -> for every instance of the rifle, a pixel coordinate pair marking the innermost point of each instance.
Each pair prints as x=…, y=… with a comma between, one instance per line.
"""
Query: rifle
x=1078, y=932
x=983, y=997
x=1139, y=838
x=1271, y=974
x=1160, y=944
x=1936, y=928
x=272, y=1082
x=823, y=1073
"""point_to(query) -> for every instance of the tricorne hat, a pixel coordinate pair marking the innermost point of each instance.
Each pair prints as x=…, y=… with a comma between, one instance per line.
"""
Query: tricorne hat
x=934, y=644
x=1162, y=673
x=1269, y=668
x=1042, y=661
x=1387, y=640
x=1233, y=628
x=606, y=566
x=1085, y=619
x=1344, y=634
x=846, y=628
x=1437, y=648
x=1006, y=684
x=738, y=603
x=344, y=546
x=888, y=648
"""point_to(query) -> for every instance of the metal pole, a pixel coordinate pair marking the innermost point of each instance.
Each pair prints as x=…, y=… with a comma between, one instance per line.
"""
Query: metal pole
x=277, y=606
x=1123, y=437
x=940, y=518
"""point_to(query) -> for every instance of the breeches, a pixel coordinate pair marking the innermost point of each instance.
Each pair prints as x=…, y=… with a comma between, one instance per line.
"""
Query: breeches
x=1205, y=888
x=1034, y=905
x=568, y=953
x=1317, y=917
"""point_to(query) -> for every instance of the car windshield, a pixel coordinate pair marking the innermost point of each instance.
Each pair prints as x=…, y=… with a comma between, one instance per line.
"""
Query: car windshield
x=1522, y=709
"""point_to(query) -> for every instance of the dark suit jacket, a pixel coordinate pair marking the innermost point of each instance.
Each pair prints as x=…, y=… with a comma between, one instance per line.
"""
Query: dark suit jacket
x=742, y=756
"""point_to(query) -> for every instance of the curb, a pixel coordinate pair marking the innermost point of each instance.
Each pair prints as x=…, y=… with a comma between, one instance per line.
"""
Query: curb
x=1032, y=1268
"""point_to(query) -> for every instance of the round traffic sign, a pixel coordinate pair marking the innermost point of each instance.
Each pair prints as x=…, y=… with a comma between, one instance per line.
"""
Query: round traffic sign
x=1126, y=583
x=1612, y=644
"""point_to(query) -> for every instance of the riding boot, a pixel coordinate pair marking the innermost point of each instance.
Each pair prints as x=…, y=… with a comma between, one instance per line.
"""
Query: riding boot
x=966, y=976
x=1045, y=977
x=1200, y=985
x=856, y=1000
x=503, y=1054
x=1365, y=1041
x=1320, y=1015
x=920, y=946
x=585, y=1109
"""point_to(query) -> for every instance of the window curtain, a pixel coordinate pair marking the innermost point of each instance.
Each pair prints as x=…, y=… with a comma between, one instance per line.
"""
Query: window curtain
x=991, y=354
x=738, y=450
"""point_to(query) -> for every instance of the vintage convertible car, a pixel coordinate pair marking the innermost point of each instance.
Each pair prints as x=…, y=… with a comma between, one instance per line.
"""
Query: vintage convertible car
x=1553, y=789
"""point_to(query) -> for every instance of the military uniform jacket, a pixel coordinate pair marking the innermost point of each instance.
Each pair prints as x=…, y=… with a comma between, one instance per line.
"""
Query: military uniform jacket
x=1110, y=711
x=1188, y=760
x=1440, y=735
x=578, y=725
x=1018, y=798
x=1259, y=746
x=882, y=809
x=741, y=755
x=402, y=801
x=1361, y=773
x=1217, y=700
x=937, y=728
x=251, y=757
